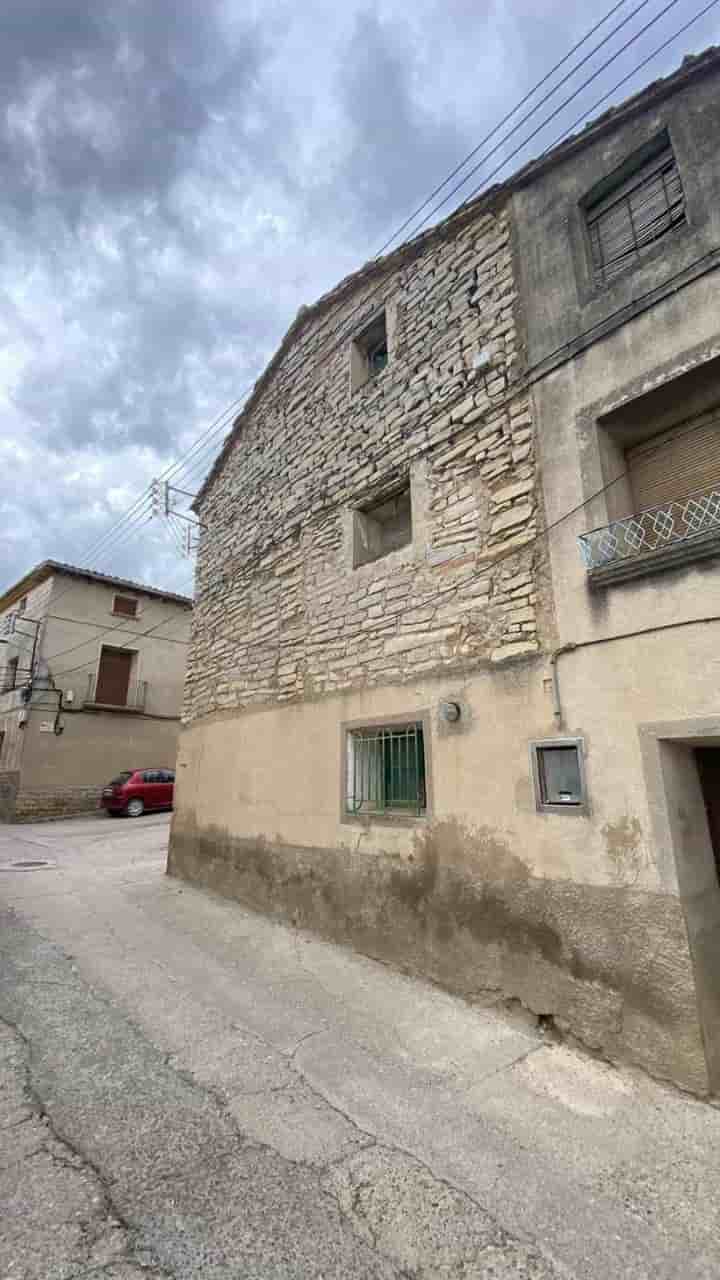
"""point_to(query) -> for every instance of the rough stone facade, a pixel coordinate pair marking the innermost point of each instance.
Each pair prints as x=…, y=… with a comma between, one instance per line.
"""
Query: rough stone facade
x=600, y=908
x=280, y=613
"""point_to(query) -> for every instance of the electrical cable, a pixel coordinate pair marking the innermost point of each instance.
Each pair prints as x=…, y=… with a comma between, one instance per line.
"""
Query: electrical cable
x=132, y=518
x=656, y=52
x=329, y=350
x=513, y=551
x=518, y=107
x=179, y=466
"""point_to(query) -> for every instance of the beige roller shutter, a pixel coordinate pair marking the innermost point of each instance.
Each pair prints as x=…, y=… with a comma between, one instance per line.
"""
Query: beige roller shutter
x=671, y=466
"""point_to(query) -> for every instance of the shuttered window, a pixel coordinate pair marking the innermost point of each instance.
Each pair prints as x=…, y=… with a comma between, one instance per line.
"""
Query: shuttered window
x=671, y=466
x=629, y=219
x=125, y=605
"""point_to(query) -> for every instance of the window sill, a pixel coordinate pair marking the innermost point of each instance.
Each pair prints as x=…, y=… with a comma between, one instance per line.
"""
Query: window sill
x=383, y=819
x=113, y=706
x=674, y=556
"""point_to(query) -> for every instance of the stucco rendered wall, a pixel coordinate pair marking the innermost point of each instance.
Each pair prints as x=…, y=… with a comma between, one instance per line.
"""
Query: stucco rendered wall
x=580, y=917
x=64, y=774
x=572, y=915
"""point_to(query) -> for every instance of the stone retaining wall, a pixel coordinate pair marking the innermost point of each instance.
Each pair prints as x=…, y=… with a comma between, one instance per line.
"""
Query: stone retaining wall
x=34, y=804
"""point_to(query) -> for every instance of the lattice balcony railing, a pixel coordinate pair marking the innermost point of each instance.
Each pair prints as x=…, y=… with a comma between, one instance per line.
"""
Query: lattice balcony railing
x=652, y=530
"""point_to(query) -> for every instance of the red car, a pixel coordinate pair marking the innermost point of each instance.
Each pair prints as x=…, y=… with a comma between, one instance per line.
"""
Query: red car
x=139, y=790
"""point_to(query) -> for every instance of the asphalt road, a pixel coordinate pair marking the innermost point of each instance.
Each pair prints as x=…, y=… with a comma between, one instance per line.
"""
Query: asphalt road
x=190, y=1090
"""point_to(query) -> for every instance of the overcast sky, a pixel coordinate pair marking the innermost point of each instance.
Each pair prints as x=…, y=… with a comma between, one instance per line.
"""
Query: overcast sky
x=179, y=176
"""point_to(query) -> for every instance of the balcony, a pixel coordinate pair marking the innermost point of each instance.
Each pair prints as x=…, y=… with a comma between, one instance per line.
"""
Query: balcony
x=662, y=537
x=135, y=698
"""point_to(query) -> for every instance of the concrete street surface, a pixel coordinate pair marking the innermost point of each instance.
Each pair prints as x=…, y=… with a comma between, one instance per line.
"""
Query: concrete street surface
x=190, y=1090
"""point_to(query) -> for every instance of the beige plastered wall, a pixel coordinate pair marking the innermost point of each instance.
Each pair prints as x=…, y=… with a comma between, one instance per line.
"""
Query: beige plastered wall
x=612, y=689
x=64, y=773
x=575, y=916
x=80, y=620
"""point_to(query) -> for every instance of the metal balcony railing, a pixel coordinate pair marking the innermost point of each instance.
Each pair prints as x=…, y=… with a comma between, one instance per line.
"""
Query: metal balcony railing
x=652, y=530
x=135, y=700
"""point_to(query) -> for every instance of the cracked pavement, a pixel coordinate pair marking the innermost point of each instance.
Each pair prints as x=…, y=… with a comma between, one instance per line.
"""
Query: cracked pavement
x=188, y=1089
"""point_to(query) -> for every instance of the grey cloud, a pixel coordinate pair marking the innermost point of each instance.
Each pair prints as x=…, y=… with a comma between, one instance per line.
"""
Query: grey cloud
x=396, y=148
x=177, y=179
x=109, y=96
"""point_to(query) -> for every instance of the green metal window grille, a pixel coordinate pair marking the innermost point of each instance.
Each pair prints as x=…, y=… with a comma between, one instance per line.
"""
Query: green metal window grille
x=386, y=770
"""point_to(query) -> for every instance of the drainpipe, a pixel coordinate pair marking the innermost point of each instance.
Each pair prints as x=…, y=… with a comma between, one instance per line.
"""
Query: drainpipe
x=555, y=684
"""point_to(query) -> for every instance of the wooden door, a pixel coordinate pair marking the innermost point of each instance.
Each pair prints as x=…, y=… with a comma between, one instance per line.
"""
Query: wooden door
x=113, y=679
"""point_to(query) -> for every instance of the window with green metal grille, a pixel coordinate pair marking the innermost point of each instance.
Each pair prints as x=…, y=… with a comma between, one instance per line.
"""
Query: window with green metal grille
x=386, y=770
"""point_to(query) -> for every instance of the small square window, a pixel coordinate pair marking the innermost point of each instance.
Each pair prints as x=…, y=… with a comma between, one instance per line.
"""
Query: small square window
x=127, y=606
x=559, y=776
x=382, y=526
x=369, y=353
x=22, y=605
x=385, y=771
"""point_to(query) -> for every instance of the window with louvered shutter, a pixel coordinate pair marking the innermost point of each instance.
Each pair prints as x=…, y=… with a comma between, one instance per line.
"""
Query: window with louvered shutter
x=126, y=606
x=672, y=466
x=636, y=213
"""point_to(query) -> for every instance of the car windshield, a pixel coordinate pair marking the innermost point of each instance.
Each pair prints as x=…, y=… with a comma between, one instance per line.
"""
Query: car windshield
x=121, y=778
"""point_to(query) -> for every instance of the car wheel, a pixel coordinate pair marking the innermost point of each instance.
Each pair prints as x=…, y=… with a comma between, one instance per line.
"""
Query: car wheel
x=134, y=807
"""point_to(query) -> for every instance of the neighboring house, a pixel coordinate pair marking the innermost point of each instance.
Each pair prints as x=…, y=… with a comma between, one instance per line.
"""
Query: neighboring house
x=91, y=677
x=416, y=719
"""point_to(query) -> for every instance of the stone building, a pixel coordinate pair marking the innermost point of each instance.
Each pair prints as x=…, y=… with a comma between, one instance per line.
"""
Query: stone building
x=91, y=680
x=415, y=719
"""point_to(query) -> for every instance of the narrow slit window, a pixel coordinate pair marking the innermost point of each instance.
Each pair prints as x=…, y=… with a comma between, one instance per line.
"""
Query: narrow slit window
x=634, y=212
x=369, y=352
x=386, y=770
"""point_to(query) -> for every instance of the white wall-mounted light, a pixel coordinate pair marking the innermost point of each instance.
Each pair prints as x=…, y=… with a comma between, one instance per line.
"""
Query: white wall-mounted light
x=450, y=712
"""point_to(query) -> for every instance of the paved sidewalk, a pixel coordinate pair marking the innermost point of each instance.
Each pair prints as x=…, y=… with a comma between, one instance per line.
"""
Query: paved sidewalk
x=191, y=1090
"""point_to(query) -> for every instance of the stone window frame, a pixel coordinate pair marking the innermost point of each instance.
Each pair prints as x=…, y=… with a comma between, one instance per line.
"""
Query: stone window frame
x=363, y=516
x=400, y=558
x=422, y=718
x=374, y=332
x=537, y=745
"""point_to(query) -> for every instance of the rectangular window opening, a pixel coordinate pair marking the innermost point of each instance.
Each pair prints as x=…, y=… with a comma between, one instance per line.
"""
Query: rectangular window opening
x=10, y=680
x=127, y=606
x=558, y=775
x=369, y=352
x=382, y=526
x=632, y=209
x=386, y=771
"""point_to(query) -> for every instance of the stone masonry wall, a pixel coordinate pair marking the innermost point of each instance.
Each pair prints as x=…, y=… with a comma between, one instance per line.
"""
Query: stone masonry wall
x=33, y=804
x=281, y=614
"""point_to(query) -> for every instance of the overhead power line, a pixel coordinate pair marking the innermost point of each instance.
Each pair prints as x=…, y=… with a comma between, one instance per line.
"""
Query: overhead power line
x=512, y=551
x=209, y=438
x=348, y=326
x=198, y=455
